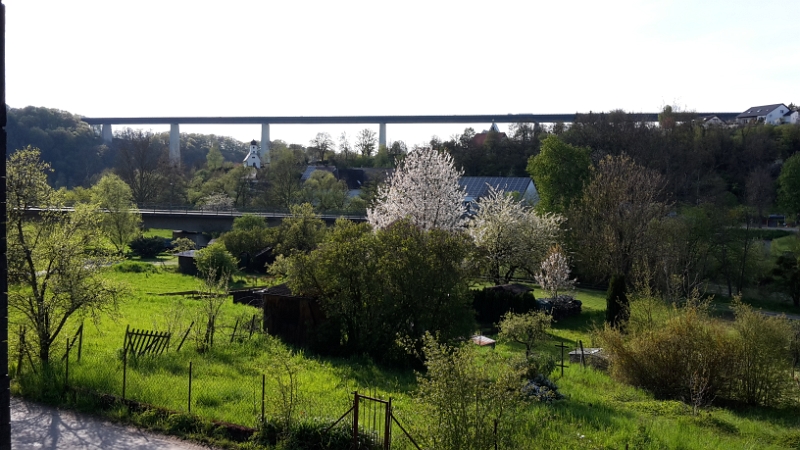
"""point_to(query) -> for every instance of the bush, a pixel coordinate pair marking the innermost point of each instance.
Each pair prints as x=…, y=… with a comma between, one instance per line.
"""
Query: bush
x=182, y=244
x=147, y=247
x=135, y=267
x=762, y=358
x=214, y=261
x=689, y=356
x=490, y=304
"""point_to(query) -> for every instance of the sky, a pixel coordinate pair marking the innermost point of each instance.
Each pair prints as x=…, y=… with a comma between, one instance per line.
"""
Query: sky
x=104, y=58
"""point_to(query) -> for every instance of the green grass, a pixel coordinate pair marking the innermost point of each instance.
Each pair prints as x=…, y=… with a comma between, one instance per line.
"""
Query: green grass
x=785, y=244
x=160, y=232
x=598, y=412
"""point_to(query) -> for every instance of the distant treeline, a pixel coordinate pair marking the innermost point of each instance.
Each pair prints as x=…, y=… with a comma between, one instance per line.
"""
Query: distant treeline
x=700, y=163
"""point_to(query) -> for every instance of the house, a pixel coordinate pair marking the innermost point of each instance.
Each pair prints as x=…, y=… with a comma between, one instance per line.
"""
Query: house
x=478, y=187
x=710, y=121
x=253, y=158
x=479, y=139
x=771, y=114
x=792, y=117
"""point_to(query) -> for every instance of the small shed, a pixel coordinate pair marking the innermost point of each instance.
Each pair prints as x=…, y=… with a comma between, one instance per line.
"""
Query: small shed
x=186, y=262
x=291, y=317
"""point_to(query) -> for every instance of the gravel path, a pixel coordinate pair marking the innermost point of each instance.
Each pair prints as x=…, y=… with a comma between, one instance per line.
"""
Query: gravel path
x=38, y=427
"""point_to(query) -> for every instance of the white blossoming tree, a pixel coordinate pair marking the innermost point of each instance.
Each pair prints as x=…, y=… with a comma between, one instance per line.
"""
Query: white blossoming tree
x=554, y=276
x=511, y=236
x=424, y=190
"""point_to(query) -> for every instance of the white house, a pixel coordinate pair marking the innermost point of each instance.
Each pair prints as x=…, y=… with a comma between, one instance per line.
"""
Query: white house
x=771, y=114
x=792, y=117
x=253, y=159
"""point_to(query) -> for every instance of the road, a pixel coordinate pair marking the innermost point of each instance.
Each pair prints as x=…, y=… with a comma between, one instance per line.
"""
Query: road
x=39, y=427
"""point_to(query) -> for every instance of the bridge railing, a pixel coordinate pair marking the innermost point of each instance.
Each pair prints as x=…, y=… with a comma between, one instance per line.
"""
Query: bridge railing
x=193, y=210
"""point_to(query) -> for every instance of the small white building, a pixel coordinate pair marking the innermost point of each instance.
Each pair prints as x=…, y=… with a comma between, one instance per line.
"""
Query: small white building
x=253, y=159
x=771, y=114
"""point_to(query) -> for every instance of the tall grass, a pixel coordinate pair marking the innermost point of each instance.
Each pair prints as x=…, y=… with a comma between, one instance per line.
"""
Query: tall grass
x=598, y=412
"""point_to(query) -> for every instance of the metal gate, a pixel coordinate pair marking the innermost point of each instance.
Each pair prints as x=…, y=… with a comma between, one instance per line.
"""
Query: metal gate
x=373, y=417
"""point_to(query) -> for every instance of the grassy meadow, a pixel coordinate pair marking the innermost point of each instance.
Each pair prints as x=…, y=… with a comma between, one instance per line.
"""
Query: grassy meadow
x=597, y=412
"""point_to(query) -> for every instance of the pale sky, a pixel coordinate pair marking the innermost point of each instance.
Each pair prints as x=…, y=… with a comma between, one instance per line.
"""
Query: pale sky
x=102, y=58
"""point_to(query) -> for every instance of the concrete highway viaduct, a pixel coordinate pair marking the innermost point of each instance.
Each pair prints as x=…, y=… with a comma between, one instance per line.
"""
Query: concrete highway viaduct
x=175, y=122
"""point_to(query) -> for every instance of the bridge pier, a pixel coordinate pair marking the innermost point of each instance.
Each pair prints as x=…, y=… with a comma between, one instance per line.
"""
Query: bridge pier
x=382, y=135
x=108, y=136
x=265, y=143
x=174, y=143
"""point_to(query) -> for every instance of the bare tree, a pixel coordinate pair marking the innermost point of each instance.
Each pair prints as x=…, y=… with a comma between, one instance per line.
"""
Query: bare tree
x=366, y=142
x=140, y=155
x=321, y=144
x=344, y=146
x=611, y=223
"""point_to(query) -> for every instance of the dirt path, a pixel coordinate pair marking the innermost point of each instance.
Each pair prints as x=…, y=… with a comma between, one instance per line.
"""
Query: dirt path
x=38, y=427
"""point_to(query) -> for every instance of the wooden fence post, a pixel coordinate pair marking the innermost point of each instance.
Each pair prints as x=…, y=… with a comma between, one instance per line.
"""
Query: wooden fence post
x=387, y=427
x=583, y=358
x=263, y=392
x=190, y=387
x=66, y=367
x=21, y=350
x=124, y=370
x=355, y=419
x=80, y=342
x=235, y=326
x=184, y=336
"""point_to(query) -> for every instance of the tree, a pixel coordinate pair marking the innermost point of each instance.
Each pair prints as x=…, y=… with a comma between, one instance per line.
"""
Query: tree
x=54, y=276
x=424, y=190
x=611, y=224
x=325, y=192
x=218, y=201
x=617, y=305
x=473, y=407
x=301, y=231
x=559, y=170
x=140, y=155
x=121, y=219
x=554, y=275
x=526, y=329
x=321, y=144
x=395, y=282
x=789, y=185
x=366, y=142
x=510, y=236
x=249, y=222
x=760, y=190
x=215, y=262
x=214, y=158
x=787, y=270
x=344, y=146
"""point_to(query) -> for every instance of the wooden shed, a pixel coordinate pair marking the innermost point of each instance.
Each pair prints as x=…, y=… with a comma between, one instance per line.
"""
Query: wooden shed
x=291, y=317
x=186, y=263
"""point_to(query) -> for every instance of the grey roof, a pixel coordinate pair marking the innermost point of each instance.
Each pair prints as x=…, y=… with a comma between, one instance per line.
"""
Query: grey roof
x=478, y=187
x=757, y=111
x=311, y=169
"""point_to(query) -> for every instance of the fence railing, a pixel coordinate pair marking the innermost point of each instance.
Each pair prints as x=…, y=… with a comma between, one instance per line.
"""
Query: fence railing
x=204, y=390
